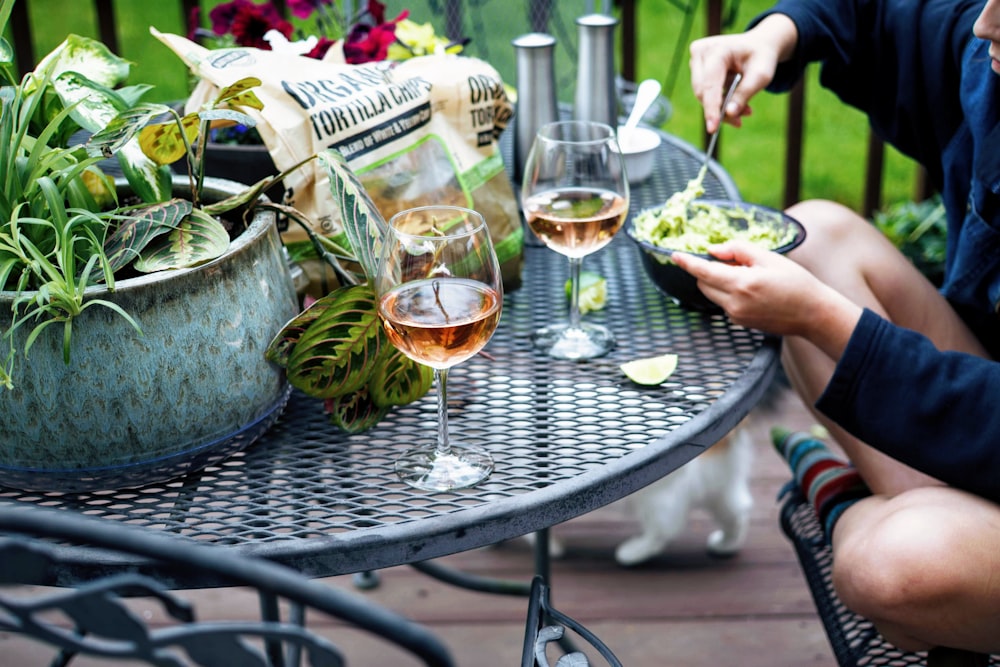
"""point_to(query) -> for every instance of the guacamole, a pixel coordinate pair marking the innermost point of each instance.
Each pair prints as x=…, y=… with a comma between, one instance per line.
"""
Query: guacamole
x=688, y=225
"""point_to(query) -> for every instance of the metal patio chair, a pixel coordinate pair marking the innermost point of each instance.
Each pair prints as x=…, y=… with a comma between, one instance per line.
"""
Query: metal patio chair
x=99, y=618
x=854, y=640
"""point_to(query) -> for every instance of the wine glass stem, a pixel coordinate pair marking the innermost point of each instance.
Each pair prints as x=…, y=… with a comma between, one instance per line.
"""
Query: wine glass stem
x=441, y=379
x=574, y=291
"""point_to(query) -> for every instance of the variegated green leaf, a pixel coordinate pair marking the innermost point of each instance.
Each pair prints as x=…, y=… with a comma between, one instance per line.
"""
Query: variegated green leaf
x=140, y=226
x=92, y=105
x=152, y=182
x=355, y=412
x=398, y=380
x=164, y=143
x=363, y=224
x=89, y=58
x=336, y=354
x=117, y=130
x=133, y=93
x=227, y=115
x=6, y=52
x=199, y=238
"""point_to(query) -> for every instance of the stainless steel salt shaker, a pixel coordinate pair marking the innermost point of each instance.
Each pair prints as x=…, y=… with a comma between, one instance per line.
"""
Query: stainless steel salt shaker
x=595, y=75
x=536, y=93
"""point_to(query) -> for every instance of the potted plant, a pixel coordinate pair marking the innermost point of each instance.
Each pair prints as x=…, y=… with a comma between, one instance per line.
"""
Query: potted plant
x=133, y=333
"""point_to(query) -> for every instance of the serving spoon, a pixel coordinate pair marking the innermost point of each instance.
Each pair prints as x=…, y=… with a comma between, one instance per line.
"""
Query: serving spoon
x=715, y=135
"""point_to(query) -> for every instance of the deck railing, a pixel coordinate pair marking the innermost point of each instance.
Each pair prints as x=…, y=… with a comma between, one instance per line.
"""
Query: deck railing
x=453, y=9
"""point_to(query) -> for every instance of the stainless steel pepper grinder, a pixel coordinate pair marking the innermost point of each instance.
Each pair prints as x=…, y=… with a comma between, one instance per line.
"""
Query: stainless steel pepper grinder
x=595, y=75
x=536, y=93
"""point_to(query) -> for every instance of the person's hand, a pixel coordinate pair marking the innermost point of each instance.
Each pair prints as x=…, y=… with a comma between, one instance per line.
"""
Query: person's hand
x=763, y=290
x=755, y=54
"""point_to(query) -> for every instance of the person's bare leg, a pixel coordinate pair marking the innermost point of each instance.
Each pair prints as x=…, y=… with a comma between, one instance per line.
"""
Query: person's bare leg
x=923, y=567
x=850, y=254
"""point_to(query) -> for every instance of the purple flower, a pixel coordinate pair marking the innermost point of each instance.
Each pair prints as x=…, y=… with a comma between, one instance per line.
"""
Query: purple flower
x=248, y=22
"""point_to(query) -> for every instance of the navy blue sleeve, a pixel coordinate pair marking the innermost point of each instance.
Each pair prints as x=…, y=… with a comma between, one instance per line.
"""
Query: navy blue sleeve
x=898, y=61
x=938, y=412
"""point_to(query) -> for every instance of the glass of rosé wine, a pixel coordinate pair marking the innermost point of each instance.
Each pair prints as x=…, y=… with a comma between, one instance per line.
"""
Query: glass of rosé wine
x=575, y=198
x=439, y=299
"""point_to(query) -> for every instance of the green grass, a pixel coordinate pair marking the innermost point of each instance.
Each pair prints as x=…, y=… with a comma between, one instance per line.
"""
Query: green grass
x=836, y=136
x=835, y=141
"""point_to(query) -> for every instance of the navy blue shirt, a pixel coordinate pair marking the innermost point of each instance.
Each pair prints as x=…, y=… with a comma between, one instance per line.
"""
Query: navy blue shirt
x=915, y=68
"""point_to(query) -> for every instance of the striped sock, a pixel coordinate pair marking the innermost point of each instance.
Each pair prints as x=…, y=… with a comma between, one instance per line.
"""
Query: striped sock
x=830, y=483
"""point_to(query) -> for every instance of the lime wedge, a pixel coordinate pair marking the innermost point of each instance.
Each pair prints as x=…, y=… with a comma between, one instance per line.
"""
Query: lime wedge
x=650, y=371
x=593, y=291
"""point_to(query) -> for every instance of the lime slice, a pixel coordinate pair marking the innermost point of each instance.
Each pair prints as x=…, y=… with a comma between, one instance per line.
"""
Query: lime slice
x=593, y=291
x=650, y=371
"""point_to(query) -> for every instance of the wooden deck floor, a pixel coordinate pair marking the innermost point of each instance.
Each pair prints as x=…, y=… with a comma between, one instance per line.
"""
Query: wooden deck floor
x=683, y=609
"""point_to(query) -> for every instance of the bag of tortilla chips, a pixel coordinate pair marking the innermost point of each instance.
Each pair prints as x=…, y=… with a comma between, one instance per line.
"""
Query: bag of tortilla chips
x=416, y=132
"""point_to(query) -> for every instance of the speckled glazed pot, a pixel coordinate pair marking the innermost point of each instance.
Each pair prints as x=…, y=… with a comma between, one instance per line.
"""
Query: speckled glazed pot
x=133, y=409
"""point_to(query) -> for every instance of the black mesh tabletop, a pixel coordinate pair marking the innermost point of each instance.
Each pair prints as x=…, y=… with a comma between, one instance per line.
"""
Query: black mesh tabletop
x=567, y=437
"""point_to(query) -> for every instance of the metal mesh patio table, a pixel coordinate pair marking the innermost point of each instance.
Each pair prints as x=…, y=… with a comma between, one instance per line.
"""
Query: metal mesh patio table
x=567, y=437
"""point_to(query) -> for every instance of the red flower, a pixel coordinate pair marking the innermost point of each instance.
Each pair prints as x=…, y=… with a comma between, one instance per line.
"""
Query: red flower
x=305, y=8
x=194, y=21
x=367, y=44
x=248, y=22
x=377, y=11
x=322, y=46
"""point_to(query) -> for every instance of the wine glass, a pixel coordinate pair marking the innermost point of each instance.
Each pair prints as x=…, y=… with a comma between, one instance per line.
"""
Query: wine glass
x=439, y=298
x=575, y=198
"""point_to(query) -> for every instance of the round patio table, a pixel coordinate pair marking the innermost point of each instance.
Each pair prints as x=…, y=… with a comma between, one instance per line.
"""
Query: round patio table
x=567, y=437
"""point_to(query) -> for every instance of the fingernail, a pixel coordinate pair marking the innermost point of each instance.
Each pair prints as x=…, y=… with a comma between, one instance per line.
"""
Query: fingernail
x=732, y=108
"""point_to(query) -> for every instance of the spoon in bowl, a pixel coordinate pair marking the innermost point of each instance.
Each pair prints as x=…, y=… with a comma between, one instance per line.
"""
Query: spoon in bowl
x=645, y=95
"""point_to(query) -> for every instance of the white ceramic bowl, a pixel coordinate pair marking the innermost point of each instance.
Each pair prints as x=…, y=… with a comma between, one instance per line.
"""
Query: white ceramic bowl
x=638, y=147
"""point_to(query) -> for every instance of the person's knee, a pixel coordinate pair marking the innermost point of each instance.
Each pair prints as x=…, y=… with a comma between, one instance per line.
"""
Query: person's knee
x=828, y=225
x=886, y=569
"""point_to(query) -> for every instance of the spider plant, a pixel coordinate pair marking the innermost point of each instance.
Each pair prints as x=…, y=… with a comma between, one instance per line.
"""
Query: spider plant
x=62, y=227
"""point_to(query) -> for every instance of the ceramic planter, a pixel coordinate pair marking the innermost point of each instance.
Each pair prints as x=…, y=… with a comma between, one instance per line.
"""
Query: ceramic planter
x=132, y=409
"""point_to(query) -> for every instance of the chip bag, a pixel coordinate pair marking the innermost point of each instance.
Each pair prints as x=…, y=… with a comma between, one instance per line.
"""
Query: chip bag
x=416, y=132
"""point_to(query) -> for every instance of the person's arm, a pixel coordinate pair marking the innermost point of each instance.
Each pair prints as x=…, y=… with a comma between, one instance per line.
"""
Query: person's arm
x=897, y=61
x=935, y=411
x=754, y=54
x=763, y=290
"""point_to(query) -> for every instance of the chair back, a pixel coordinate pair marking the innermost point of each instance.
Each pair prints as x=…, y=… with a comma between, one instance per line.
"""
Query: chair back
x=100, y=618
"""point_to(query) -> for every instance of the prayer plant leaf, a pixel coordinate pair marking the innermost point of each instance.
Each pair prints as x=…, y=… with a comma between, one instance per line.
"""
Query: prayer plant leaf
x=141, y=226
x=241, y=93
x=355, y=412
x=198, y=239
x=119, y=129
x=336, y=353
x=398, y=380
x=164, y=143
x=279, y=350
x=362, y=222
x=151, y=182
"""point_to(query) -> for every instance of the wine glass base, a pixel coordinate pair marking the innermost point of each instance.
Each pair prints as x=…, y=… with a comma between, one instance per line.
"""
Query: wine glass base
x=424, y=468
x=562, y=341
